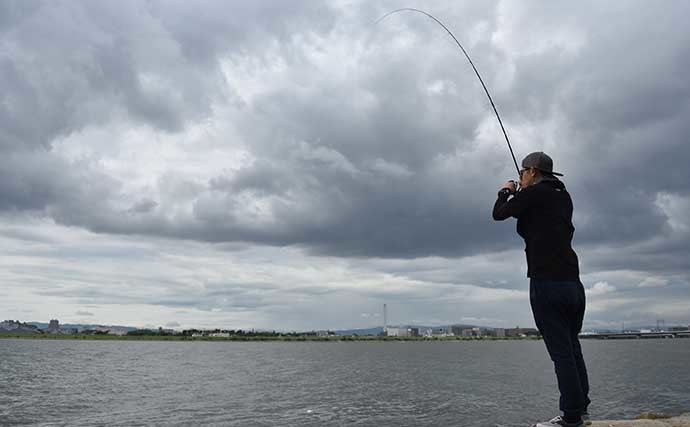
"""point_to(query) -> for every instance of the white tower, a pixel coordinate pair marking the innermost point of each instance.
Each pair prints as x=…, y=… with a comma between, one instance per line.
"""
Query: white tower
x=385, y=320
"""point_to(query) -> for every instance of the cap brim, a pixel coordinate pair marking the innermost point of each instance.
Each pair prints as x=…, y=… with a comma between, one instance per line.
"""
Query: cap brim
x=550, y=173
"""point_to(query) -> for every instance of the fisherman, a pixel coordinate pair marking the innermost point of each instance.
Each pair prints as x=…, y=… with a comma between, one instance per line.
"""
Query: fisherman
x=544, y=211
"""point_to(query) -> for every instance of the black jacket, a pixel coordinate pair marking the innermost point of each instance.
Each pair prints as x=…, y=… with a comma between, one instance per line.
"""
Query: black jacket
x=544, y=212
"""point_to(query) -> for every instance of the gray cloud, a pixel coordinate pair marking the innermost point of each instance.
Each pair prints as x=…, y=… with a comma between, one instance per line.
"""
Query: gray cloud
x=361, y=153
x=67, y=65
x=306, y=125
x=142, y=206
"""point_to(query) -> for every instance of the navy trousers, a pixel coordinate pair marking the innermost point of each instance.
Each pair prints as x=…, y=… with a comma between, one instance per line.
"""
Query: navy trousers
x=558, y=308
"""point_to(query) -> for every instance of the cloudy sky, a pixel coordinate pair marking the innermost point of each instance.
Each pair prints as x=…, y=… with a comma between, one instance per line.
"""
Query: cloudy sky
x=293, y=165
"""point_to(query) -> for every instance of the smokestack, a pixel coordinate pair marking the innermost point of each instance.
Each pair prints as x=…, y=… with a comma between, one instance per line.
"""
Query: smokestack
x=385, y=320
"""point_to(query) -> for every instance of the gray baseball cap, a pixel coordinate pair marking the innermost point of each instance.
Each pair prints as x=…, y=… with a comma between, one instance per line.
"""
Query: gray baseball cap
x=539, y=160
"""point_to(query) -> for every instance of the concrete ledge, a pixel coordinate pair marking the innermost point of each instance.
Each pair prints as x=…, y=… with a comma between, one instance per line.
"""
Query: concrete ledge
x=680, y=421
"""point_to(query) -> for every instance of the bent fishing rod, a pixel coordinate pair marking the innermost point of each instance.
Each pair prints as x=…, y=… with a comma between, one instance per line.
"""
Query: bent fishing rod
x=500, y=122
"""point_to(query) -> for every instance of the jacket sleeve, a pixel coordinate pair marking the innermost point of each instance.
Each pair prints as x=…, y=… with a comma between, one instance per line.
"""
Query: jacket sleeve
x=504, y=208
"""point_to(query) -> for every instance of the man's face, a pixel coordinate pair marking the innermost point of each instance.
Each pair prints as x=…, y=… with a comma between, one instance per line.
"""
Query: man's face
x=528, y=176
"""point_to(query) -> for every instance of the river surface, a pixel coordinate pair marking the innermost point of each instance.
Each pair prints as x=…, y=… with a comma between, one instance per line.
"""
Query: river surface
x=484, y=383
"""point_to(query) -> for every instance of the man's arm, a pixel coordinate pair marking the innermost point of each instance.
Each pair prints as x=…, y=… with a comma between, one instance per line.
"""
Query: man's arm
x=504, y=208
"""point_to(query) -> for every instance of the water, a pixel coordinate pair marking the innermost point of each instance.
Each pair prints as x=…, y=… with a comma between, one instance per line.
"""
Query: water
x=491, y=383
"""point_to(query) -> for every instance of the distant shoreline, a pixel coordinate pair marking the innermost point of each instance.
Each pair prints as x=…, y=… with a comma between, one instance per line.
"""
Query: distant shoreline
x=89, y=337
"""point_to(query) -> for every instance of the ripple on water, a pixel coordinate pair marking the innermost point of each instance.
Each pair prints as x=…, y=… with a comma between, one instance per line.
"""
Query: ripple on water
x=501, y=383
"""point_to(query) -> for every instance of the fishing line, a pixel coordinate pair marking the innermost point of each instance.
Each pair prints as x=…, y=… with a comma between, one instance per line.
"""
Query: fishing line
x=500, y=122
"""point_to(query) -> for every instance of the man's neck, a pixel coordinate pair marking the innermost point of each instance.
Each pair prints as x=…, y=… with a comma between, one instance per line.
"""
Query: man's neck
x=541, y=178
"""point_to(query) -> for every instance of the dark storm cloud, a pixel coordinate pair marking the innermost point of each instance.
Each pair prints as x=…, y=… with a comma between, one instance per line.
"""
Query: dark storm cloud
x=66, y=65
x=37, y=180
x=367, y=140
x=609, y=144
x=624, y=101
x=142, y=206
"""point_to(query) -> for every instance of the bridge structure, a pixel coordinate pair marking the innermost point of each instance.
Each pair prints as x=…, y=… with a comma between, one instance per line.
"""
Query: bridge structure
x=638, y=335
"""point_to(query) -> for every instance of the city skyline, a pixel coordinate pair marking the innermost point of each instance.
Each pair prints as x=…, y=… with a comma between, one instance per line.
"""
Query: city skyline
x=660, y=325
x=296, y=165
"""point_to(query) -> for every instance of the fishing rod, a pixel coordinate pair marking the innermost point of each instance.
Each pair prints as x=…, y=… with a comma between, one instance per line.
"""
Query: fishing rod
x=500, y=122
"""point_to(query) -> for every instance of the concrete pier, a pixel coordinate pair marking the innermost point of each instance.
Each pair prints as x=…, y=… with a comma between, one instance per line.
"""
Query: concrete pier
x=680, y=421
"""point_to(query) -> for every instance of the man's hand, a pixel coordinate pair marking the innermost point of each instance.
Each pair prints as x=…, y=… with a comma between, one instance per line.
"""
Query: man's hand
x=510, y=185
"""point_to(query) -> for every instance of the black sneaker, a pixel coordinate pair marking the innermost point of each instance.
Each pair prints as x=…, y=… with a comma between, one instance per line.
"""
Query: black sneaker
x=559, y=422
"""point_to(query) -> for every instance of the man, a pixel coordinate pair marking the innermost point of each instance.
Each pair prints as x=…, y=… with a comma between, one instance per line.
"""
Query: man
x=544, y=211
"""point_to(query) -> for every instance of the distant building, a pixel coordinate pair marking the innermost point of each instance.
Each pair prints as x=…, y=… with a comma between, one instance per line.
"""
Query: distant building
x=456, y=330
x=439, y=332
x=17, y=327
x=117, y=331
x=93, y=331
x=434, y=332
x=55, y=328
x=402, y=331
x=391, y=331
x=219, y=334
x=499, y=332
x=464, y=331
x=521, y=332
x=512, y=332
x=474, y=332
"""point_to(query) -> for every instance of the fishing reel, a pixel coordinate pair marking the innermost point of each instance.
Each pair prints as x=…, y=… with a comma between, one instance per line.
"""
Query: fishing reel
x=516, y=184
